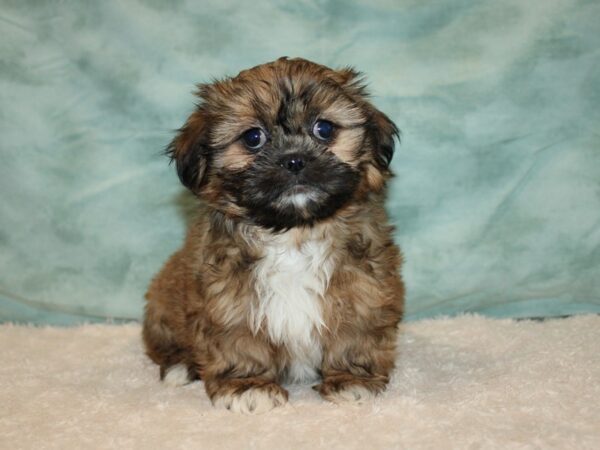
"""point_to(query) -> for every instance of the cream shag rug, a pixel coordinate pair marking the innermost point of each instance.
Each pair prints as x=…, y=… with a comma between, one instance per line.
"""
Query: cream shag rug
x=466, y=382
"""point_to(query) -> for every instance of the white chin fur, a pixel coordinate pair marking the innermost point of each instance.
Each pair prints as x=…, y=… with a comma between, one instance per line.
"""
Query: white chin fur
x=352, y=394
x=299, y=199
x=252, y=401
x=177, y=375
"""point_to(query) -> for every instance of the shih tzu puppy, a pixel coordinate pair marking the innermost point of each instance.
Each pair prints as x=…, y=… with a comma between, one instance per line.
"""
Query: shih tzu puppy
x=290, y=273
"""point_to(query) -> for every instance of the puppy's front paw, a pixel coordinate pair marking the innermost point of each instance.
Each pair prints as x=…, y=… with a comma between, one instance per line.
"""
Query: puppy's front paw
x=350, y=389
x=349, y=394
x=254, y=400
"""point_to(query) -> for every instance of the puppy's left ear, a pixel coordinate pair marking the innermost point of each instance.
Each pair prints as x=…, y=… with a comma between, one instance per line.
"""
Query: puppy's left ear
x=383, y=133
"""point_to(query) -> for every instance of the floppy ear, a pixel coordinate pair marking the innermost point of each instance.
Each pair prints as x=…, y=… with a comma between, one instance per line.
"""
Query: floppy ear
x=190, y=151
x=383, y=133
x=381, y=129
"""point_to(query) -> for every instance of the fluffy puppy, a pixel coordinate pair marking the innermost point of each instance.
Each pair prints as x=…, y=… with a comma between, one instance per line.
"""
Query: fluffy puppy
x=290, y=273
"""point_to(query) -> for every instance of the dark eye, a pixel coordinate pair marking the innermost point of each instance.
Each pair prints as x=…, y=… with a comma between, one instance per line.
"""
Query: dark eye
x=254, y=138
x=323, y=130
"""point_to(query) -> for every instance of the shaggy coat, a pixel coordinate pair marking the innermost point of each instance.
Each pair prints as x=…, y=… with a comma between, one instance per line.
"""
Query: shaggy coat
x=290, y=273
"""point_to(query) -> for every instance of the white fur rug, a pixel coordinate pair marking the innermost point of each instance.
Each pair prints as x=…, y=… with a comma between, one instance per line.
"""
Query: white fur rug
x=467, y=382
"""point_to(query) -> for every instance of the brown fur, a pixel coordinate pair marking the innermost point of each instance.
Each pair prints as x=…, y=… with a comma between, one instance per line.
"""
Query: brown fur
x=198, y=306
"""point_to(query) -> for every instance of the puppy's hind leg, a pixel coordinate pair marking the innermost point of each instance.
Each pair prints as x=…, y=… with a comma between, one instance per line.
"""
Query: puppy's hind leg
x=164, y=349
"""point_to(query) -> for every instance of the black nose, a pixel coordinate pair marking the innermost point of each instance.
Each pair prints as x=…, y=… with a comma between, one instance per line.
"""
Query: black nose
x=293, y=163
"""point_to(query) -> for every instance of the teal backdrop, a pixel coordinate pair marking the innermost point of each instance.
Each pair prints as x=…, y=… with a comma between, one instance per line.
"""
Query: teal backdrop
x=496, y=197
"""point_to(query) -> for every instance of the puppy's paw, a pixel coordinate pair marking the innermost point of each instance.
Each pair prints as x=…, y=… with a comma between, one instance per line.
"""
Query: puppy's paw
x=350, y=389
x=351, y=394
x=254, y=400
x=176, y=375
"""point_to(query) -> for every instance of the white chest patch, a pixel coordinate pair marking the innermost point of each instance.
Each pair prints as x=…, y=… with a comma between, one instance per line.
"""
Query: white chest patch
x=290, y=281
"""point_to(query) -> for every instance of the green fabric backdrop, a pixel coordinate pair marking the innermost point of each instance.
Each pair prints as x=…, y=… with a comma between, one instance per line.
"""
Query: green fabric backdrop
x=497, y=193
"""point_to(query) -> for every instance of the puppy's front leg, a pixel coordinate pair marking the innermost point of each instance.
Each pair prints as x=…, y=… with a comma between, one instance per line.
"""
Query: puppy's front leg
x=356, y=369
x=243, y=378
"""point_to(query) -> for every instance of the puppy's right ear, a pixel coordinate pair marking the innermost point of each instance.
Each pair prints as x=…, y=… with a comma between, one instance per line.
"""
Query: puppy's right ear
x=190, y=151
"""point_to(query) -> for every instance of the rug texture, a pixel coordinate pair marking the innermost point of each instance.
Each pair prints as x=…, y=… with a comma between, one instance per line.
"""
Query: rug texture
x=466, y=382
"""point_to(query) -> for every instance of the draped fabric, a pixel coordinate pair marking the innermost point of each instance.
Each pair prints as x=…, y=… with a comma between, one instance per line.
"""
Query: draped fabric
x=496, y=199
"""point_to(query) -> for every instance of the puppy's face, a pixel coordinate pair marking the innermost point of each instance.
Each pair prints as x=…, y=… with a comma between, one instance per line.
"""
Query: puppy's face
x=284, y=144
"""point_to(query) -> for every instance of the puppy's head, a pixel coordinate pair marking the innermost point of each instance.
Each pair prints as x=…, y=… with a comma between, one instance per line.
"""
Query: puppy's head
x=284, y=144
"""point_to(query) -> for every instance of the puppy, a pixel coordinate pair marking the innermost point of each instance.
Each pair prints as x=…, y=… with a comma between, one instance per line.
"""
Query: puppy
x=290, y=273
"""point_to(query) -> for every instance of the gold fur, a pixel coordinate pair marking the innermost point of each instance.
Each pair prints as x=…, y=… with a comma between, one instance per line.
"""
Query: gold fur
x=199, y=306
